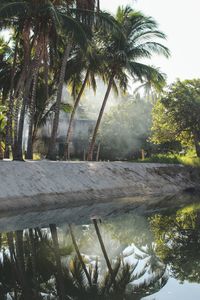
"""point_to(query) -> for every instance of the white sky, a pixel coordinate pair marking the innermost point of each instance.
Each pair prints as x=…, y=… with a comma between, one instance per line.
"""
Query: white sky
x=180, y=21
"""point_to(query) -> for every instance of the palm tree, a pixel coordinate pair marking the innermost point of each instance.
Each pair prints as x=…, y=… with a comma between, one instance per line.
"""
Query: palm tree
x=2, y=130
x=38, y=23
x=78, y=34
x=123, y=55
x=54, y=234
x=7, y=74
x=89, y=63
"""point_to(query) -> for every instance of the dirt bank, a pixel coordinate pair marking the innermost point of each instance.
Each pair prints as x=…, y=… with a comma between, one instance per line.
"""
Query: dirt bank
x=43, y=184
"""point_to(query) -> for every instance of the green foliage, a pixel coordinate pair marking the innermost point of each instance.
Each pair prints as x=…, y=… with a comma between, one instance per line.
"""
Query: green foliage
x=163, y=158
x=2, y=119
x=172, y=159
x=139, y=41
x=2, y=129
x=177, y=242
x=176, y=116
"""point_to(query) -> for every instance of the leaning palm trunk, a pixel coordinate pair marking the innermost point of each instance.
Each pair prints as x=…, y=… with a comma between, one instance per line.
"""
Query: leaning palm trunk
x=8, y=138
x=80, y=256
x=69, y=131
x=52, y=145
x=104, y=251
x=93, y=140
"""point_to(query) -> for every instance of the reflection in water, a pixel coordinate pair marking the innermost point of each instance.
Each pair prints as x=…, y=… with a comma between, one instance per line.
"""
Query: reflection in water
x=127, y=257
x=38, y=264
x=177, y=240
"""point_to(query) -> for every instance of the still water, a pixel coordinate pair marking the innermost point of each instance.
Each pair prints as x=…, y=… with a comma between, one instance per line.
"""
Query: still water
x=132, y=255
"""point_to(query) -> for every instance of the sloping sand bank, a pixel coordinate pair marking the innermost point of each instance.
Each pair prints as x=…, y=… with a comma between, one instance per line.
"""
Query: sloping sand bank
x=43, y=184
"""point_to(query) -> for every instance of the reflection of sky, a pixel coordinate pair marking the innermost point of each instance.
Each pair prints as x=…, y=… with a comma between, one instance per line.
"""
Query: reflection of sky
x=130, y=225
x=175, y=291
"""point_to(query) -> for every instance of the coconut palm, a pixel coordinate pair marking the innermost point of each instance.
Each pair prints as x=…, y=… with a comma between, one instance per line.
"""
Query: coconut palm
x=44, y=106
x=86, y=64
x=38, y=23
x=2, y=129
x=123, y=56
x=89, y=19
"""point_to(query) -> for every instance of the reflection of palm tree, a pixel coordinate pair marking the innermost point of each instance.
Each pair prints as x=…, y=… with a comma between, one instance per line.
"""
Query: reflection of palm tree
x=35, y=260
x=117, y=283
x=59, y=278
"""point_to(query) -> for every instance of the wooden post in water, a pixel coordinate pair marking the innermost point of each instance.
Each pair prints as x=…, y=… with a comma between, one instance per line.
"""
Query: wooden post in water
x=84, y=155
x=68, y=151
x=143, y=154
x=98, y=152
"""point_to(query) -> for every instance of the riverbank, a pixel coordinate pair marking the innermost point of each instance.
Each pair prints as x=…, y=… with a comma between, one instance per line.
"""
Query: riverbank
x=38, y=185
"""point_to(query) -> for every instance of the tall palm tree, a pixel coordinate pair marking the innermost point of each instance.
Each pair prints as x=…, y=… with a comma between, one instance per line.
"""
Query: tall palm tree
x=38, y=23
x=86, y=19
x=89, y=63
x=2, y=130
x=123, y=56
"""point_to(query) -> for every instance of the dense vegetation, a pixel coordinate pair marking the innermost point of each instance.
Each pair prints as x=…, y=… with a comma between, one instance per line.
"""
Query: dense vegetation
x=55, y=46
x=58, y=44
x=176, y=116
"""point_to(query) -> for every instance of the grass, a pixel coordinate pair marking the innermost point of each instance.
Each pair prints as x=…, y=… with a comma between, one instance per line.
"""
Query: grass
x=36, y=156
x=173, y=159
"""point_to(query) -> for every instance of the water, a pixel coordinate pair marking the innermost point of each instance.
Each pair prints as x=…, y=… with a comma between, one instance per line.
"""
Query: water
x=129, y=253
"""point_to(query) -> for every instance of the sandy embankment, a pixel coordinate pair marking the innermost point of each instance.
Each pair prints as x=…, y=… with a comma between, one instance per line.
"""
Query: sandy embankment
x=43, y=184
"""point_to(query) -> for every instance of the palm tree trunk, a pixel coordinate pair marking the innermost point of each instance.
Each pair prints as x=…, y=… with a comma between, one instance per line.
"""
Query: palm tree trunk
x=26, y=293
x=34, y=264
x=35, y=131
x=32, y=111
x=61, y=288
x=92, y=143
x=17, y=150
x=8, y=139
x=1, y=149
x=52, y=145
x=17, y=147
x=69, y=131
x=197, y=143
x=16, y=111
x=104, y=251
x=98, y=5
x=15, y=272
x=102, y=246
x=79, y=256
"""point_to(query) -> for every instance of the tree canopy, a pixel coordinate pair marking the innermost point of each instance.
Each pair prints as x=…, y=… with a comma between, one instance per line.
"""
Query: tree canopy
x=176, y=116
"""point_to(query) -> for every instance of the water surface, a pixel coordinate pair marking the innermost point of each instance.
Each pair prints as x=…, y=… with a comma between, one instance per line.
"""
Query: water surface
x=138, y=252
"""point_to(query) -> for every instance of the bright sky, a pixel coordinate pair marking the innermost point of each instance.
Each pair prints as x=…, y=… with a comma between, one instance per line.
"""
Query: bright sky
x=180, y=21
